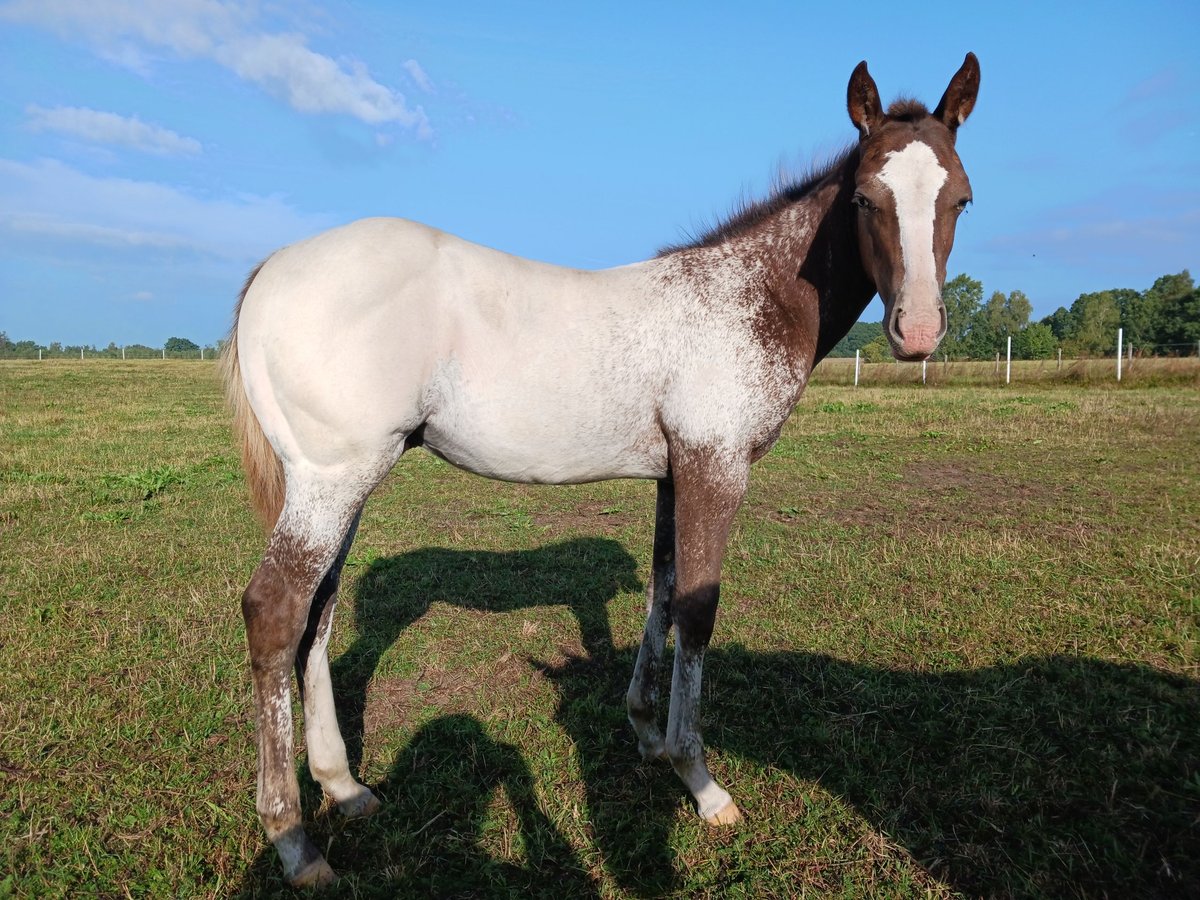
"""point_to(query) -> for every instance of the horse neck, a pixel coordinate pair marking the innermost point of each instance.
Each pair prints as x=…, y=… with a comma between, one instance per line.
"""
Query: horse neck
x=814, y=264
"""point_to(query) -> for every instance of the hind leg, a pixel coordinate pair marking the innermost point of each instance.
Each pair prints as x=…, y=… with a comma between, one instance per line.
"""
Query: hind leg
x=326, y=750
x=303, y=547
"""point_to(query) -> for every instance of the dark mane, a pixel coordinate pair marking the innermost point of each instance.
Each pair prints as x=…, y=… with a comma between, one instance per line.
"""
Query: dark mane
x=749, y=213
x=906, y=109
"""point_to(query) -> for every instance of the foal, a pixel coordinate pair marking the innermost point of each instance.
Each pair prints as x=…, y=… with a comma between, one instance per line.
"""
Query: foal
x=353, y=346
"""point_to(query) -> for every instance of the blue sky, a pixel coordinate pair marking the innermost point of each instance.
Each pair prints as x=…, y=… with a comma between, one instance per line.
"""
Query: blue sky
x=152, y=152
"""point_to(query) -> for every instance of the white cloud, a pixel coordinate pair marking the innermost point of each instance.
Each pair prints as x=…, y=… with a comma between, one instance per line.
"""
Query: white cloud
x=130, y=31
x=283, y=66
x=422, y=80
x=49, y=201
x=110, y=128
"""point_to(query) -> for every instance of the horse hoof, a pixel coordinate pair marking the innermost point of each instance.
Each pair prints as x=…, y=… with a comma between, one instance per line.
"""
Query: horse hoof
x=316, y=874
x=651, y=752
x=361, y=806
x=726, y=815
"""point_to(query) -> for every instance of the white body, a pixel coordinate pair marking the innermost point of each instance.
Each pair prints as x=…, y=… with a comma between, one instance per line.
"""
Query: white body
x=518, y=370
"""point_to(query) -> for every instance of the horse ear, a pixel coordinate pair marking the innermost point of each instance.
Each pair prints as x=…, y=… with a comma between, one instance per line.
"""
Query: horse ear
x=959, y=99
x=862, y=101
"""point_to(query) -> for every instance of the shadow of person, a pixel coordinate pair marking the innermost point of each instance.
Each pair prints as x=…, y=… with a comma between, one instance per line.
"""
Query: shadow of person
x=1051, y=776
x=461, y=818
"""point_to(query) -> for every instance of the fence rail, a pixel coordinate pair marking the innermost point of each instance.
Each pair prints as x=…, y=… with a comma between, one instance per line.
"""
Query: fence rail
x=999, y=372
x=1135, y=370
x=122, y=353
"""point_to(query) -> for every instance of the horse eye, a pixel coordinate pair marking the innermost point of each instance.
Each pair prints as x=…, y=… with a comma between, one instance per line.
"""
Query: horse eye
x=862, y=202
x=961, y=206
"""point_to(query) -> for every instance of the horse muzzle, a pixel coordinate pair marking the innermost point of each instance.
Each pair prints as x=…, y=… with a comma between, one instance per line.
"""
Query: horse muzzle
x=915, y=331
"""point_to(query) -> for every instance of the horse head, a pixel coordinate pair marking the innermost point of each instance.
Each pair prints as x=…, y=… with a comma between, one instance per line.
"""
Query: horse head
x=910, y=188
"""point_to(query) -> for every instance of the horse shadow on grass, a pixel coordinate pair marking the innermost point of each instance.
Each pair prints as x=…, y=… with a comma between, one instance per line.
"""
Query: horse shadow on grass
x=429, y=838
x=1049, y=776
x=1053, y=776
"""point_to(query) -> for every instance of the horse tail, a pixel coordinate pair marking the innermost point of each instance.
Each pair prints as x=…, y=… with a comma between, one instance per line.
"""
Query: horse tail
x=264, y=471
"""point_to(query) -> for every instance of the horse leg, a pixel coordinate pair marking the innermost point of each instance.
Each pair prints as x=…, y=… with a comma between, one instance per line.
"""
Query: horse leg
x=707, y=497
x=302, y=549
x=326, y=750
x=642, y=698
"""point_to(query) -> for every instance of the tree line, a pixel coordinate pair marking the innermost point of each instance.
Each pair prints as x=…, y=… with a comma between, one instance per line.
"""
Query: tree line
x=176, y=346
x=1163, y=320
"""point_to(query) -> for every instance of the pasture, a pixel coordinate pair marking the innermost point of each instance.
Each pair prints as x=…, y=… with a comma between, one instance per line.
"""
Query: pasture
x=957, y=653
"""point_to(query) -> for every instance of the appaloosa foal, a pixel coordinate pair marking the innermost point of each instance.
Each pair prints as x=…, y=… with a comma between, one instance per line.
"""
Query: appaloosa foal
x=363, y=342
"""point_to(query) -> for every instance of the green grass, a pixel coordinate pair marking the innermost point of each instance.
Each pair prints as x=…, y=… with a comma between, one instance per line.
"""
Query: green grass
x=957, y=654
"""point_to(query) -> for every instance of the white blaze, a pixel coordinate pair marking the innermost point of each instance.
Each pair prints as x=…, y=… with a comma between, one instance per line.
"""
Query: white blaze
x=915, y=178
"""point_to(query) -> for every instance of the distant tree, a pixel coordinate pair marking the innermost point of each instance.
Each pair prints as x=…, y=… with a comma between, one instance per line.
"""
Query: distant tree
x=878, y=350
x=180, y=345
x=1095, y=320
x=1036, y=341
x=1140, y=316
x=1177, y=305
x=1002, y=316
x=962, y=296
x=860, y=334
x=1018, y=309
x=1059, y=322
x=987, y=327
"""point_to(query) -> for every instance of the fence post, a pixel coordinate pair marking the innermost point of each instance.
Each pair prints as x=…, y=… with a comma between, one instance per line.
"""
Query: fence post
x=164, y=352
x=39, y=354
x=923, y=364
x=1060, y=357
x=1008, y=365
x=856, y=364
x=201, y=354
x=1120, y=338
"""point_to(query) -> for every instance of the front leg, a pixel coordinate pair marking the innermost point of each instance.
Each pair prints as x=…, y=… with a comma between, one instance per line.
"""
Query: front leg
x=708, y=490
x=642, y=698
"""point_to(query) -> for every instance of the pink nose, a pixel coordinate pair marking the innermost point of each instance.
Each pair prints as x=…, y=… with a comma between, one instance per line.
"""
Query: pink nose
x=919, y=339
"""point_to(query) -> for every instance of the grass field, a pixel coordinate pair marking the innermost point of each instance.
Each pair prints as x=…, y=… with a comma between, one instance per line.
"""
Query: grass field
x=957, y=654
